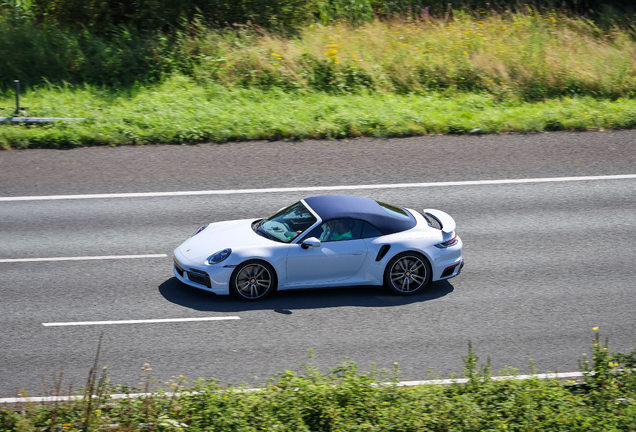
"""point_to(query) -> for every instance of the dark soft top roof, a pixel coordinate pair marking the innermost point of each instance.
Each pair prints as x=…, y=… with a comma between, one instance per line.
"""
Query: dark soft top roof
x=331, y=207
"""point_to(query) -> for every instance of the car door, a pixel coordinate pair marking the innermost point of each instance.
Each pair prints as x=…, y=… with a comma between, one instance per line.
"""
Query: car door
x=339, y=256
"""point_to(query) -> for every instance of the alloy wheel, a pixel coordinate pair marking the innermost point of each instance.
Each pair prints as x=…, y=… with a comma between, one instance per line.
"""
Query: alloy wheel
x=408, y=274
x=253, y=281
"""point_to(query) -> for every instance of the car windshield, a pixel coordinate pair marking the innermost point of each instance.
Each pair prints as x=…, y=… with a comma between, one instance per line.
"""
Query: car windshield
x=286, y=224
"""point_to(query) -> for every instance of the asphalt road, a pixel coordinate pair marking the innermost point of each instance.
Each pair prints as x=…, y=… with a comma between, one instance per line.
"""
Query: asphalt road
x=545, y=262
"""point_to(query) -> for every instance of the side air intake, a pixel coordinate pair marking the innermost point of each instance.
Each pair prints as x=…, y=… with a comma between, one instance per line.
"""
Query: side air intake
x=383, y=250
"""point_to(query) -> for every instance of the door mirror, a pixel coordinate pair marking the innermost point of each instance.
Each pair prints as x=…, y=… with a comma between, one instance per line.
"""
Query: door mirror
x=310, y=242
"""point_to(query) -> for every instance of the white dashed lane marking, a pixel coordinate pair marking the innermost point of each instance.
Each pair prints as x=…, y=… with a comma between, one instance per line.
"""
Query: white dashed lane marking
x=146, y=321
x=82, y=258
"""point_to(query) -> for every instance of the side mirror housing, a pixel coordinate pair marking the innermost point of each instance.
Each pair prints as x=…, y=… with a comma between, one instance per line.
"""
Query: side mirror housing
x=310, y=242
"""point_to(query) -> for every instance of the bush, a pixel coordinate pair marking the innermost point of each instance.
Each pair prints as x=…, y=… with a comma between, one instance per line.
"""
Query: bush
x=41, y=54
x=531, y=57
x=101, y=16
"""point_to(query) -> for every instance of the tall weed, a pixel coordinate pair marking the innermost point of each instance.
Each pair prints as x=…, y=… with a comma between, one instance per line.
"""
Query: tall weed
x=528, y=56
x=532, y=57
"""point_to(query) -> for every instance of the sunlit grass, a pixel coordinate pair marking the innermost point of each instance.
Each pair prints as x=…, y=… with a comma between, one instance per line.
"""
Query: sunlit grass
x=182, y=111
x=345, y=398
x=530, y=56
x=482, y=74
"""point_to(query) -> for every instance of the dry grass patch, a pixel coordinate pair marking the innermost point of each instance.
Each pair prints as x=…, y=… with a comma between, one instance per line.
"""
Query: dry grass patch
x=531, y=56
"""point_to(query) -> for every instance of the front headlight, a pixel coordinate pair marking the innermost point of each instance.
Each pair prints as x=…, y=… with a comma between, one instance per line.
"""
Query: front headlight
x=219, y=256
x=200, y=229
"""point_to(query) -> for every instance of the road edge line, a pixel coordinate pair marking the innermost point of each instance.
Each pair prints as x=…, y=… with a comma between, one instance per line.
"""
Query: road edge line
x=319, y=188
x=555, y=375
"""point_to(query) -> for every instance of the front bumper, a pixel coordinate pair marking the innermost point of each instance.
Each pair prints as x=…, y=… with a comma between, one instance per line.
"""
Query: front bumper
x=212, y=278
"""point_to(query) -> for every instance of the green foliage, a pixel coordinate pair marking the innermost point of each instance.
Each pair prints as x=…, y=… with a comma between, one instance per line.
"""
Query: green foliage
x=40, y=54
x=345, y=399
x=532, y=57
x=179, y=110
x=101, y=16
x=407, y=76
x=610, y=378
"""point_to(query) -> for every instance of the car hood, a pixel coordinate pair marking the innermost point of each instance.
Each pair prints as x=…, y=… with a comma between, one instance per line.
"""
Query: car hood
x=221, y=235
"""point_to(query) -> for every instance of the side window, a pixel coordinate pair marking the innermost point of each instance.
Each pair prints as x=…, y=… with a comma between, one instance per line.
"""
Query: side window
x=370, y=231
x=338, y=230
x=317, y=232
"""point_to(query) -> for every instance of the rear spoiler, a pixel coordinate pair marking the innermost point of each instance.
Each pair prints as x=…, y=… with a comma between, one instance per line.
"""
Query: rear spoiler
x=445, y=220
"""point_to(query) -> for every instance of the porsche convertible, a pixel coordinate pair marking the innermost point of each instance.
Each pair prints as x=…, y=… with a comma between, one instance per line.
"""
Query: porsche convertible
x=322, y=241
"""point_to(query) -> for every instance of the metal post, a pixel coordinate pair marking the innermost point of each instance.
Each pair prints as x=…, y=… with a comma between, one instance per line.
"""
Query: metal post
x=17, y=98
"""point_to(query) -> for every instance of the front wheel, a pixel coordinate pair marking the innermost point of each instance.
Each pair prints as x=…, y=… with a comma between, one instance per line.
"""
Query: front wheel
x=407, y=273
x=253, y=280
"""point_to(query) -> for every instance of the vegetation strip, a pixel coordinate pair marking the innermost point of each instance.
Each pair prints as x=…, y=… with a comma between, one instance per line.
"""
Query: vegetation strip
x=411, y=73
x=556, y=375
x=35, y=119
x=181, y=111
x=601, y=397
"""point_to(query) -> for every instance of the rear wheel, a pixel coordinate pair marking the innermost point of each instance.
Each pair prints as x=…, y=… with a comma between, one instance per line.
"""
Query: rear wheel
x=407, y=273
x=253, y=280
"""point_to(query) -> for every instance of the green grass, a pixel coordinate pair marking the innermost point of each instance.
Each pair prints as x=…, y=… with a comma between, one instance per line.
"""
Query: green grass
x=180, y=110
x=411, y=76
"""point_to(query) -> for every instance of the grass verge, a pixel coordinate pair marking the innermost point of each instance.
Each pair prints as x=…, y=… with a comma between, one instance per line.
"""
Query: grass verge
x=416, y=75
x=346, y=400
x=529, y=56
x=180, y=110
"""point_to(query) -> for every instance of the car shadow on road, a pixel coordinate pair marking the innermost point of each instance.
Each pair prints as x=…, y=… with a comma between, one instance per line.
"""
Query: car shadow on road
x=285, y=302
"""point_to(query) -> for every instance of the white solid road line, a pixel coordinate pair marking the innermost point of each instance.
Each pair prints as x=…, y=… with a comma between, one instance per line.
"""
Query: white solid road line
x=564, y=375
x=146, y=321
x=320, y=188
x=107, y=257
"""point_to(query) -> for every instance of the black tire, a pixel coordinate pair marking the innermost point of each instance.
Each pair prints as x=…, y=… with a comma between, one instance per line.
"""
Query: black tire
x=407, y=273
x=253, y=280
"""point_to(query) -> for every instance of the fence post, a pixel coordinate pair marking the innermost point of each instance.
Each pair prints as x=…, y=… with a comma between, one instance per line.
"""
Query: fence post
x=17, y=98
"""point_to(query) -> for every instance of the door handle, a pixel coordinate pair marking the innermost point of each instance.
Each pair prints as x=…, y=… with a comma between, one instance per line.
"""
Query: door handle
x=357, y=253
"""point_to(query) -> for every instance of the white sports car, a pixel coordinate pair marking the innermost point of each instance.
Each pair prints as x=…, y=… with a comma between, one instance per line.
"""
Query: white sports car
x=323, y=241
